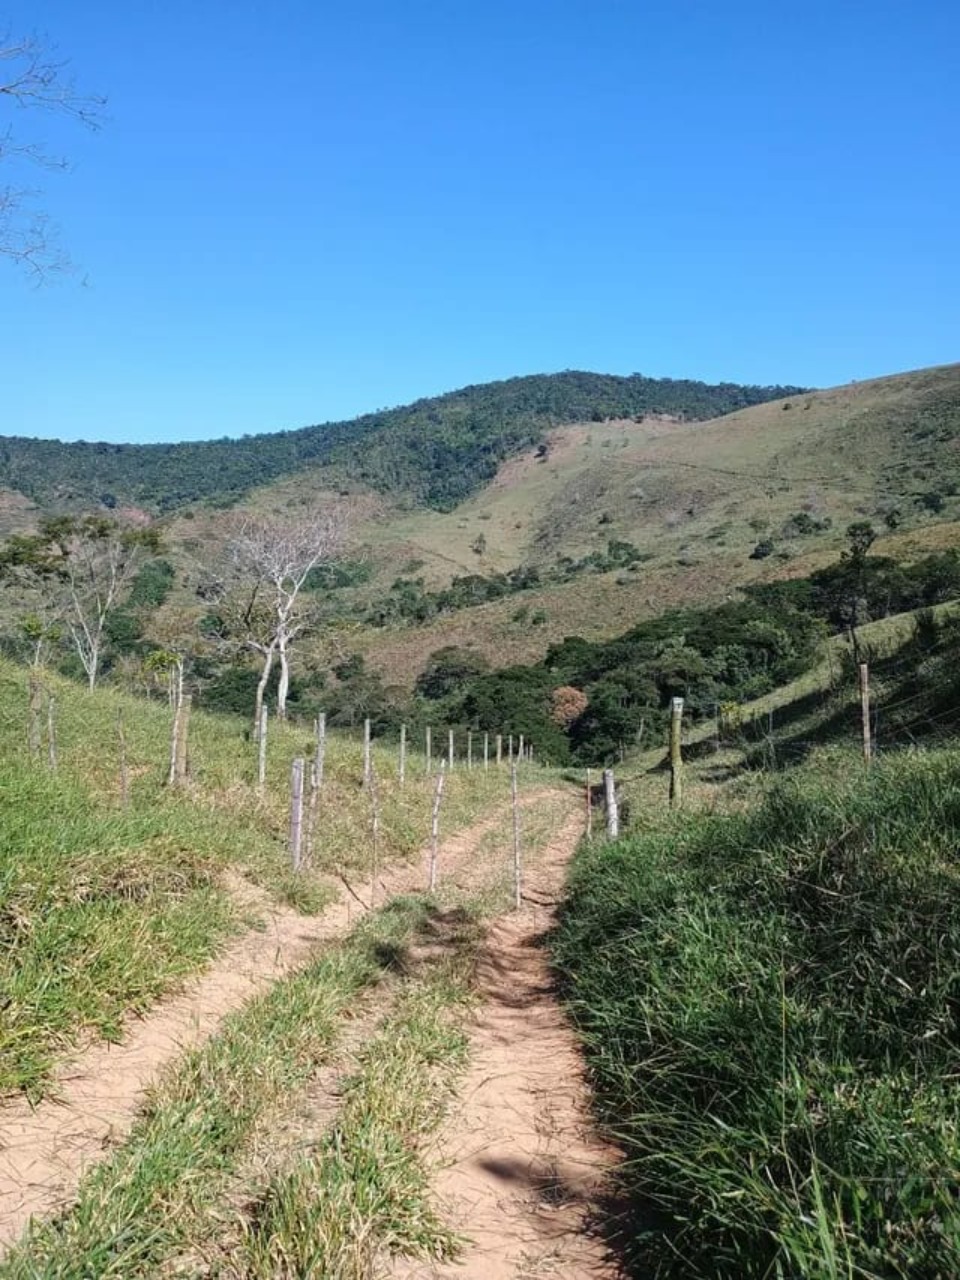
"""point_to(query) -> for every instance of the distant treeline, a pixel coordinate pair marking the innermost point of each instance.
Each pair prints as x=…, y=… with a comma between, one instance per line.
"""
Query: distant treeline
x=588, y=699
x=731, y=653
x=435, y=451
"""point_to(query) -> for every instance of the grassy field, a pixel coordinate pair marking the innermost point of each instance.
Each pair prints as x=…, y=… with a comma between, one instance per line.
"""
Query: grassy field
x=298, y=1139
x=768, y=1001
x=105, y=907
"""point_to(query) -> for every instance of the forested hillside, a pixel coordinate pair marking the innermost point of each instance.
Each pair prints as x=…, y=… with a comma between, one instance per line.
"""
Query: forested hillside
x=436, y=451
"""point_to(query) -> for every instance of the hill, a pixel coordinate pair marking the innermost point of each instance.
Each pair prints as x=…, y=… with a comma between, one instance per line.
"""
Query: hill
x=759, y=494
x=436, y=451
x=594, y=531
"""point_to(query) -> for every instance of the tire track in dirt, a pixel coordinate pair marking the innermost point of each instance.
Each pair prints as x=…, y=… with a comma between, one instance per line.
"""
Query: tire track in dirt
x=45, y=1150
x=522, y=1173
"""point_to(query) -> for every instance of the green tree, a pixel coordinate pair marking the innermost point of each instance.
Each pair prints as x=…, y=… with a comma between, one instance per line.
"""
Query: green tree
x=78, y=570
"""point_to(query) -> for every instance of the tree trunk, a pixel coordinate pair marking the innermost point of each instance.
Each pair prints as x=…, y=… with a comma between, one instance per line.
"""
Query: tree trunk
x=93, y=665
x=261, y=690
x=283, y=686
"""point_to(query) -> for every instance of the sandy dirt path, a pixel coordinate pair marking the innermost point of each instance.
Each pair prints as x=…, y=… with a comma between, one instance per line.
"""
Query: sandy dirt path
x=94, y=1099
x=522, y=1173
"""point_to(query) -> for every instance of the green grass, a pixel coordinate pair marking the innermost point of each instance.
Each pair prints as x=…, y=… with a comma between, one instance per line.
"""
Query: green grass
x=769, y=1006
x=100, y=912
x=145, y=1203
x=103, y=908
x=365, y=1193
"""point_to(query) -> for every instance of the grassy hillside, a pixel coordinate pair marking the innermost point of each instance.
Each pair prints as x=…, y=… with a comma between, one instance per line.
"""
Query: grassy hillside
x=768, y=1000
x=601, y=526
x=436, y=451
x=766, y=982
x=105, y=907
x=695, y=500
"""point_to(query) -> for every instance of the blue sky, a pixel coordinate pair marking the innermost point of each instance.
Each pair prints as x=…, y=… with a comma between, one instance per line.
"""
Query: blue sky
x=301, y=211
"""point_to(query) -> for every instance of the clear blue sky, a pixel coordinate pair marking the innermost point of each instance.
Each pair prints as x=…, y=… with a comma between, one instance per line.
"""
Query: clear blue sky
x=301, y=210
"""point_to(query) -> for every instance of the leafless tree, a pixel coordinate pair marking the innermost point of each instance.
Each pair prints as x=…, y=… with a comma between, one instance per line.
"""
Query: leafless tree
x=31, y=77
x=273, y=556
x=100, y=561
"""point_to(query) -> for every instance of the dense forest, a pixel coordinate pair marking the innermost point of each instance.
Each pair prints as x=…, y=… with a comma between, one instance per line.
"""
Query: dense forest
x=436, y=451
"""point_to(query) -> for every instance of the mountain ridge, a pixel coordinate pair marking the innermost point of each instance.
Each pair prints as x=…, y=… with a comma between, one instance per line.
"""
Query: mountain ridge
x=436, y=450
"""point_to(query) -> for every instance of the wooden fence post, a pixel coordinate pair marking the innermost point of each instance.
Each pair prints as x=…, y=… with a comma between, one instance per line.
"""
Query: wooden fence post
x=52, y=732
x=469, y=748
x=435, y=829
x=486, y=752
x=613, y=813
x=588, y=829
x=35, y=705
x=403, y=754
x=375, y=825
x=366, y=752
x=510, y=749
x=181, y=727
x=865, y=711
x=321, y=747
x=676, y=761
x=499, y=750
x=296, y=811
x=316, y=784
x=429, y=750
x=123, y=771
x=517, y=885
x=262, y=748
x=520, y=750
x=450, y=750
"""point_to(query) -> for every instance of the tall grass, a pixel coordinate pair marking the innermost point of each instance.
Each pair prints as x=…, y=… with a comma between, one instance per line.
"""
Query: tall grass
x=769, y=1003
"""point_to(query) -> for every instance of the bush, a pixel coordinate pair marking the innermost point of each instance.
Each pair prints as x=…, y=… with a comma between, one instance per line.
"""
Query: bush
x=763, y=549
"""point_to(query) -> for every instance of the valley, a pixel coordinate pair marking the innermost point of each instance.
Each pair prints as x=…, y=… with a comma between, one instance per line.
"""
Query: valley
x=715, y=1045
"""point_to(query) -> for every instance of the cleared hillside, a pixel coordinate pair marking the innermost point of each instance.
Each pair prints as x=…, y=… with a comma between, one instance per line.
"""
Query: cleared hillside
x=435, y=451
x=603, y=524
x=760, y=494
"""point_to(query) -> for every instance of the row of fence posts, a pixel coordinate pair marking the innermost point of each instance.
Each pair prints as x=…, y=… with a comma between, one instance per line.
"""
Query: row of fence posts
x=306, y=785
x=302, y=832
x=611, y=806
x=522, y=751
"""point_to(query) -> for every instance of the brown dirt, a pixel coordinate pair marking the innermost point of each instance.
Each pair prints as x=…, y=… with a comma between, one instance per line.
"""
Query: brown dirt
x=523, y=1175
x=46, y=1149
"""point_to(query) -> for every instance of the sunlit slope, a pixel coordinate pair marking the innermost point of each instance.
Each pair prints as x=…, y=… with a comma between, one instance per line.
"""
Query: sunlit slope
x=695, y=498
x=668, y=485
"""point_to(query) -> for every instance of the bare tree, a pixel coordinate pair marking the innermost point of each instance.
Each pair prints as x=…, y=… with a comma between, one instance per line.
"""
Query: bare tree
x=32, y=77
x=273, y=556
x=96, y=560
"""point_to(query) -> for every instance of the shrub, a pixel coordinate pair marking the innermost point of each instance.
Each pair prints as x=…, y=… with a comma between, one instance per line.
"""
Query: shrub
x=566, y=705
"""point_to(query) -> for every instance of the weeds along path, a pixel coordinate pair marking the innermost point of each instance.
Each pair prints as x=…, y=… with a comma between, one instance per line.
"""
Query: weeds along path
x=522, y=1173
x=45, y=1150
